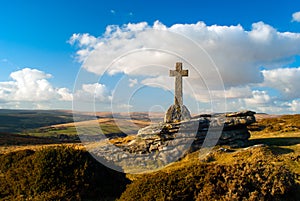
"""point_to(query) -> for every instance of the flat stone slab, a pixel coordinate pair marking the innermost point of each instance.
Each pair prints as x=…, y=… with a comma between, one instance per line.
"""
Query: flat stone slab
x=225, y=129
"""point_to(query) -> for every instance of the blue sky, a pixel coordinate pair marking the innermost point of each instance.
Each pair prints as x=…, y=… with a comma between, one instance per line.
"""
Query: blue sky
x=40, y=55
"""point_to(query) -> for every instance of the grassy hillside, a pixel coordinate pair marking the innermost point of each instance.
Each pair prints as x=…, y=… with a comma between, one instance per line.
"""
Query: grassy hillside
x=269, y=169
x=16, y=121
x=57, y=173
x=280, y=124
x=52, y=123
x=237, y=178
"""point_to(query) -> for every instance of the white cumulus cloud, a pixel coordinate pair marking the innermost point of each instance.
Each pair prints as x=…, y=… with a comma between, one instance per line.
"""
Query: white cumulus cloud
x=259, y=98
x=31, y=85
x=222, y=60
x=294, y=105
x=92, y=92
x=285, y=80
x=234, y=50
x=296, y=16
x=133, y=82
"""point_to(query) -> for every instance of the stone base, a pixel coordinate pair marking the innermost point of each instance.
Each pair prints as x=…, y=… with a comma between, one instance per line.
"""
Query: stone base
x=225, y=129
x=158, y=145
x=176, y=114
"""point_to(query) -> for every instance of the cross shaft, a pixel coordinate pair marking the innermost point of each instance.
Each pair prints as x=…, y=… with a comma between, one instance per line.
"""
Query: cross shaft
x=178, y=74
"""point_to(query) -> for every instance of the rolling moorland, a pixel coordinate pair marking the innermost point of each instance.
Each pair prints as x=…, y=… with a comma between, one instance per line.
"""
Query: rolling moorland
x=41, y=158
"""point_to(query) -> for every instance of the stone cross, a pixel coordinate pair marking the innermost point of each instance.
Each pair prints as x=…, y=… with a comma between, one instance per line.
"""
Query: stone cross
x=178, y=74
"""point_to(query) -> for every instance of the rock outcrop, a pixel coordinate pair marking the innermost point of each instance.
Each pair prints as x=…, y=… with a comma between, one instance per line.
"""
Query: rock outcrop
x=160, y=144
x=207, y=130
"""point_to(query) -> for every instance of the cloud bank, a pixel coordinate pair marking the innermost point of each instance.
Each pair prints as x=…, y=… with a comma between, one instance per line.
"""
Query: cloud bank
x=252, y=69
x=31, y=86
x=252, y=64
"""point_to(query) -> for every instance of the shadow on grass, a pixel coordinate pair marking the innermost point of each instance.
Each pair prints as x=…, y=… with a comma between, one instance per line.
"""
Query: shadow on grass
x=8, y=139
x=275, y=142
x=278, y=141
x=278, y=150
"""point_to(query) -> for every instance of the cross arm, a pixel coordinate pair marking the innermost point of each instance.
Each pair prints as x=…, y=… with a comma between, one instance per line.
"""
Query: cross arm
x=174, y=73
x=184, y=73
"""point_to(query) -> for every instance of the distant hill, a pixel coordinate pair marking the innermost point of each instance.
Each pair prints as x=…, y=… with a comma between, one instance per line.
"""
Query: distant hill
x=16, y=121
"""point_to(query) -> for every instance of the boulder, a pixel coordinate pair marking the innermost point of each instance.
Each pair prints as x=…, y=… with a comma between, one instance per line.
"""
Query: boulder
x=177, y=113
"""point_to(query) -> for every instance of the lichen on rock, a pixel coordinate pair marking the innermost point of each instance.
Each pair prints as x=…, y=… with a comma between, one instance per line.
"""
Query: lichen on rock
x=229, y=128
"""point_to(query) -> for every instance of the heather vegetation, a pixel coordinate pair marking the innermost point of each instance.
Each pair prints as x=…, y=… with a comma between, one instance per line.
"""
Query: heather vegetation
x=267, y=170
x=284, y=123
x=252, y=174
x=57, y=173
x=244, y=181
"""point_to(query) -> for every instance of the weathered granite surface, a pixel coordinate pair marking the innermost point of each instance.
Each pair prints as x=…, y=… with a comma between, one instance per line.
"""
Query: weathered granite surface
x=177, y=113
x=160, y=144
x=224, y=129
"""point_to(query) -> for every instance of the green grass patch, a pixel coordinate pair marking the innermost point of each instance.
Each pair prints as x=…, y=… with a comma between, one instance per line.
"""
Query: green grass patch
x=106, y=129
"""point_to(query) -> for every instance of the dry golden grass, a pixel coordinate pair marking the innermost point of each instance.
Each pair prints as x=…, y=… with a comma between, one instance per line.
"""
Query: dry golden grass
x=14, y=148
x=280, y=136
x=122, y=140
x=109, y=121
x=276, y=146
